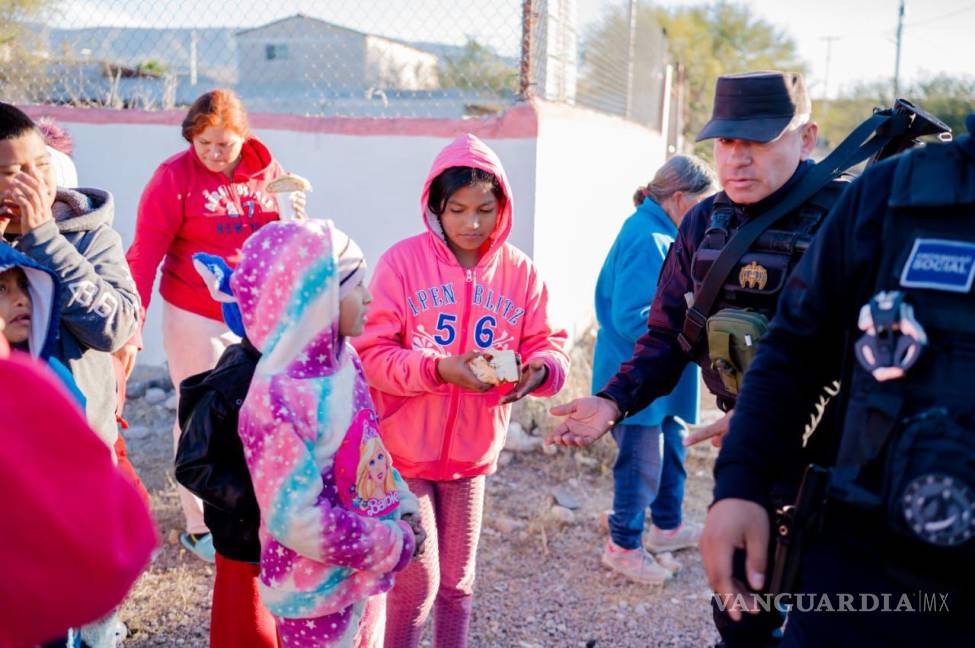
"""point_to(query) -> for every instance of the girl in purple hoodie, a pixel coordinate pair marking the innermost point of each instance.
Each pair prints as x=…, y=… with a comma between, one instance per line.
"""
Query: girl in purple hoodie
x=332, y=506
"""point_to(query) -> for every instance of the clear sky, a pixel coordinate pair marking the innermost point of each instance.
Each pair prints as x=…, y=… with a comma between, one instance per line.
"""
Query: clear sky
x=938, y=36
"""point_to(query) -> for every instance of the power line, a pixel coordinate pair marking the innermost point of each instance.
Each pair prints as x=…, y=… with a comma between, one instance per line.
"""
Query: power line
x=942, y=16
x=887, y=31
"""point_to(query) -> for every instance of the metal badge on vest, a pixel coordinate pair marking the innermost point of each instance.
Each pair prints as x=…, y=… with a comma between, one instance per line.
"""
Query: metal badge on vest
x=747, y=299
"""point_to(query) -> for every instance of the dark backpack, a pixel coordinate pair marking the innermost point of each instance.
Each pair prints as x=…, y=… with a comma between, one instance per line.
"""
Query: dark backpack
x=210, y=457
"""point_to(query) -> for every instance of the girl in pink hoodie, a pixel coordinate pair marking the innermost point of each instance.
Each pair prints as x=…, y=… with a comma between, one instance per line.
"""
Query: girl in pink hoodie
x=440, y=299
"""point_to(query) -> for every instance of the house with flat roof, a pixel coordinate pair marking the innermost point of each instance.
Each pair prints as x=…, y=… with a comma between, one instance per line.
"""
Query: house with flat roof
x=304, y=51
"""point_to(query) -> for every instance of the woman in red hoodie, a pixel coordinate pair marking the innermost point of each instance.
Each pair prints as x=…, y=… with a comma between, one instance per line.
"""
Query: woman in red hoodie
x=441, y=299
x=208, y=198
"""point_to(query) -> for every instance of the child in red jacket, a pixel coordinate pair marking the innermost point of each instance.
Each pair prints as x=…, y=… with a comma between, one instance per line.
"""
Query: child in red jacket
x=76, y=535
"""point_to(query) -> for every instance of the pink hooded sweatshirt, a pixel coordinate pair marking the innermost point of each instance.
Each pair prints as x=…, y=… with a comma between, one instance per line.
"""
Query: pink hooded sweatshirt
x=427, y=306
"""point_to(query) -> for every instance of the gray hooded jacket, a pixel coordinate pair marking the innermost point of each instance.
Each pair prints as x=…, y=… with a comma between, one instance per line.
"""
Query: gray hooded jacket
x=99, y=301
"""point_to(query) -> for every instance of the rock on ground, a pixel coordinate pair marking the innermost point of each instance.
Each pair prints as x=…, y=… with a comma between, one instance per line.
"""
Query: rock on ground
x=539, y=583
x=154, y=396
x=520, y=441
x=136, y=432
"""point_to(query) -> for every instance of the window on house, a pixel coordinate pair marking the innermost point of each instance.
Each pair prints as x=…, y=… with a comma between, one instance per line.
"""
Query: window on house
x=275, y=52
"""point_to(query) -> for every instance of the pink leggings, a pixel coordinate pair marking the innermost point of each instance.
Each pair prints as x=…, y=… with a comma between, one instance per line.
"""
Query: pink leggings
x=442, y=579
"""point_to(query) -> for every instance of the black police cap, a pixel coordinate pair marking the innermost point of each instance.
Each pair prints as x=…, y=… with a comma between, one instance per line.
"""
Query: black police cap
x=756, y=106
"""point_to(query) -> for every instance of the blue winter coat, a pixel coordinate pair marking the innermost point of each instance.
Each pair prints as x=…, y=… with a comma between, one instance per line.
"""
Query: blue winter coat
x=625, y=289
x=44, y=288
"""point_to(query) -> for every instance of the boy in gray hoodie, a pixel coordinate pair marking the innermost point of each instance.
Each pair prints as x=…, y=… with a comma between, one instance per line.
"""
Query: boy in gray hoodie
x=70, y=232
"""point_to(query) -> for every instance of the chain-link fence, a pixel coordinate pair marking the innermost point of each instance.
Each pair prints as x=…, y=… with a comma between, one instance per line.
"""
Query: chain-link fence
x=623, y=66
x=376, y=58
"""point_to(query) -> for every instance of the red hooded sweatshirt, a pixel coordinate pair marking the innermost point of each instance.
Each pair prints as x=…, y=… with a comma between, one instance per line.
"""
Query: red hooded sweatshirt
x=427, y=306
x=185, y=209
x=75, y=534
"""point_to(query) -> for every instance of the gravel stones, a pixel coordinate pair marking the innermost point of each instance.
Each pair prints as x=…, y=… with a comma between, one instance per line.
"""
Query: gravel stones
x=155, y=396
x=561, y=515
x=520, y=441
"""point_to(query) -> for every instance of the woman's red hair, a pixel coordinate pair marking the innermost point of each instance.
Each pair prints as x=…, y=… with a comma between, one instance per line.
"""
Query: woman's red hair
x=216, y=108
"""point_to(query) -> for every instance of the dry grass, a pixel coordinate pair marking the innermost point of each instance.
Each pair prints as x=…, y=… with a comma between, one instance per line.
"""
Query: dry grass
x=540, y=583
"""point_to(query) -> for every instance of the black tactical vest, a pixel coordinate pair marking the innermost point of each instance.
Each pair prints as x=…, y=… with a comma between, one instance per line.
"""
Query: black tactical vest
x=908, y=445
x=760, y=275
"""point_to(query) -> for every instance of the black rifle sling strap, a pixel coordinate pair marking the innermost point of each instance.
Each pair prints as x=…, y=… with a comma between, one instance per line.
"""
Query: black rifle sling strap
x=849, y=153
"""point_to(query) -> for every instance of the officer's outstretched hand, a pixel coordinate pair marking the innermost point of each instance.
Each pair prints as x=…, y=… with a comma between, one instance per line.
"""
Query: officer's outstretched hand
x=588, y=419
x=714, y=431
x=735, y=524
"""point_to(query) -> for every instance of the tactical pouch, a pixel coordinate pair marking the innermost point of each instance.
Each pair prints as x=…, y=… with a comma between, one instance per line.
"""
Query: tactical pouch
x=929, y=484
x=733, y=336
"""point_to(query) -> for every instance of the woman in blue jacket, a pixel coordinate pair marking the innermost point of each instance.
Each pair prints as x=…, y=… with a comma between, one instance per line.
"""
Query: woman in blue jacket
x=649, y=469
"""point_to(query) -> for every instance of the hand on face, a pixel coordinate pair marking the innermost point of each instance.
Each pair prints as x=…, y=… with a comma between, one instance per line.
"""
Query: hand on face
x=27, y=201
x=27, y=184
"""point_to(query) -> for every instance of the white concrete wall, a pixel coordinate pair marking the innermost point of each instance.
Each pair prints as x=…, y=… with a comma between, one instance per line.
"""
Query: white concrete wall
x=369, y=185
x=572, y=182
x=588, y=167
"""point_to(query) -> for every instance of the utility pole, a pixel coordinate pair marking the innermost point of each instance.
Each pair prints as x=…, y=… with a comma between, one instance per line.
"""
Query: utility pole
x=897, y=61
x=630, y=56
x=829, y=55
x=526, y=82
x=193, y=54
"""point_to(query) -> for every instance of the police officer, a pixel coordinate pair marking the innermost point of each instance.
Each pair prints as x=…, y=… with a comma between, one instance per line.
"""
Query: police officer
x=883, y=299
x=763, y=139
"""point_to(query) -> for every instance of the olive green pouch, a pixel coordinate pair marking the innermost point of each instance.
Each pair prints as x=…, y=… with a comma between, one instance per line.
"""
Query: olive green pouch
x=733, y=336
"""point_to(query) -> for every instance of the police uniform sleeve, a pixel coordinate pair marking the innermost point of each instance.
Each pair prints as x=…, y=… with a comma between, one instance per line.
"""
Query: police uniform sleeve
x=658, y=361
x=804, y=348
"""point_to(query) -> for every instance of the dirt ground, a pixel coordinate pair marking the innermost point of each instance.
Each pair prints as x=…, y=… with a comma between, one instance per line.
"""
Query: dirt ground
x=539, y=582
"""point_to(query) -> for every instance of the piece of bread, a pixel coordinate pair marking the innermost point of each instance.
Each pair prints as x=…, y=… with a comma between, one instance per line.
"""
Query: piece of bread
x=501, y=368
x=288, y=183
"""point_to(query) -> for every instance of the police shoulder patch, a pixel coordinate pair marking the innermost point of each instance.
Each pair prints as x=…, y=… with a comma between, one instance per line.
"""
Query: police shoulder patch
x=940, y=264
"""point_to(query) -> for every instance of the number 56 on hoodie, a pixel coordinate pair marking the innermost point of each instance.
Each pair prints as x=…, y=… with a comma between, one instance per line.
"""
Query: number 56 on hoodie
x=427, y=306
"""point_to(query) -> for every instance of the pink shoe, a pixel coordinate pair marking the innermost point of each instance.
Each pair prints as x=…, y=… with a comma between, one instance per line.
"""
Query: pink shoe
x=685, y=536
x=635, y=564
